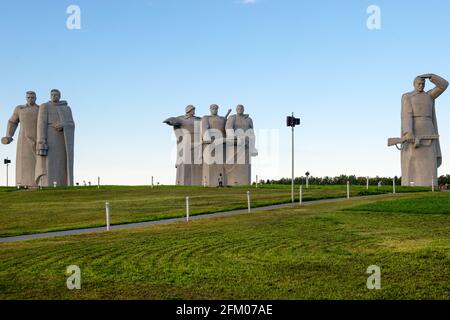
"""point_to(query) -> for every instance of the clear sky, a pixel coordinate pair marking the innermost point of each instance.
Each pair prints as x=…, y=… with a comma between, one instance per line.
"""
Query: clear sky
x=135, y=63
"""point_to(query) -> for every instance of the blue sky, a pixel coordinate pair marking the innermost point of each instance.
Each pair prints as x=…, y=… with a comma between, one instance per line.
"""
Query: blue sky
x=135, y=63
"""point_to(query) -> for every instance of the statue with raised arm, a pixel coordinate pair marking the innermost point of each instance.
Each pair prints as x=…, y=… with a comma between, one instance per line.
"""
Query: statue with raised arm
x=240, y=147
x=419, y=142
x=189, y=150
x=25, y=115
x=55, y=143
x=213, y=136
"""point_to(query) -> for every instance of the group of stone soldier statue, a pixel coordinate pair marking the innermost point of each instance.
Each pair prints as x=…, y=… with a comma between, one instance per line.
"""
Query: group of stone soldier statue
x=213, y=150
x=45, y=147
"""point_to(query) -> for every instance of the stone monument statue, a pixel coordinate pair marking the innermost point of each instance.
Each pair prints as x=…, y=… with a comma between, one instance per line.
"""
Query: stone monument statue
x=55, y=143
x=213, y=135
x=419, y=142
x=27, y=116
x=240, y=148
x=189, y=151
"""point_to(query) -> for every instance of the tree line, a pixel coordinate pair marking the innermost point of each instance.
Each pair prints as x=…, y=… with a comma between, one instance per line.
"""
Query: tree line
x=342, y=179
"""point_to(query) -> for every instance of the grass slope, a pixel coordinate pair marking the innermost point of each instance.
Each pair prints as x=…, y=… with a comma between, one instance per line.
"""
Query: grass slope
x=319, y=251
x=25, y=212
x=438, y=203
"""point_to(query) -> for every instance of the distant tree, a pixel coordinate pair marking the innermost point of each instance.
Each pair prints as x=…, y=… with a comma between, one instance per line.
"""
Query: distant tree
x=443, y=180
x=353, y=179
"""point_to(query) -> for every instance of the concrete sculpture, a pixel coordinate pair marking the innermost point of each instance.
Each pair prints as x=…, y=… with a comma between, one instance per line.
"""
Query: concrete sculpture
x=214, y=151
x=419, y=142
x=55, y=143
x=213, y=135
x=189, y=150
x=25, y=115
x=240, y=147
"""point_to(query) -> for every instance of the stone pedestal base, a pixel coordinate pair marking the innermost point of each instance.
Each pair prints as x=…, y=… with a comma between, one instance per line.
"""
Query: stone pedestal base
x=211, y=175
x=238, y=174
x=189, y=175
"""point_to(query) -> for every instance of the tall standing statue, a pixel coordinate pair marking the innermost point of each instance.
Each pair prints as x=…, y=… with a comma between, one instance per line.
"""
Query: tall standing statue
x=420, y=149
x=27, y=116
x=240, y=147
x=213, y=135
x=55, y=138
x=189, y=151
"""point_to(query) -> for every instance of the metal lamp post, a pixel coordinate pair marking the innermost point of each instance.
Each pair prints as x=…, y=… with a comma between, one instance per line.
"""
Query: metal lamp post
x=7, y=162
x=292, y=122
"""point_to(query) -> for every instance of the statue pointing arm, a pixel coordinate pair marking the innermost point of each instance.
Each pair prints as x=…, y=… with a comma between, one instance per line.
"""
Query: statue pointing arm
x=441, y=84
x=174, y=122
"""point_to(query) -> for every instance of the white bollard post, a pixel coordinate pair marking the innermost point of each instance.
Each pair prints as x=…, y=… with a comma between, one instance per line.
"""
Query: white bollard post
x=301, y=196
x=249, y=202
x=152, y=182
x=367, y=184
x=98, y=182
x=348, y=189
x=432, y=184
x=107, y=216
x=187, y=209
x=257, y=181
x=393, y=186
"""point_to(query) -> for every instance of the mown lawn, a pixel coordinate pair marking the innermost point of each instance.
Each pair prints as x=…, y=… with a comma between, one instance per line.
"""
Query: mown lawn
x=438, y=203
x=34, y=211
x=319, y=251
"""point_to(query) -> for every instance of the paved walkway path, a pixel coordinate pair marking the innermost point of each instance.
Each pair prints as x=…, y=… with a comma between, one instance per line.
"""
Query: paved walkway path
x=165, y=221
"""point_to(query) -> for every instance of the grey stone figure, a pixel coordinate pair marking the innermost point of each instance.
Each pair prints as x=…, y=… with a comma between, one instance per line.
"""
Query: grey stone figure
x=55, y=143
x=213, y=135
x=25, y=115
x=240, y=147
x=189, y=151
x=420, y=148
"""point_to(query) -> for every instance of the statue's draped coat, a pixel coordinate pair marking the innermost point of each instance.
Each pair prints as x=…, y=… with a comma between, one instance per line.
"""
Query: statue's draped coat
x=57, y=166
x=419, y=165
x=26, y=143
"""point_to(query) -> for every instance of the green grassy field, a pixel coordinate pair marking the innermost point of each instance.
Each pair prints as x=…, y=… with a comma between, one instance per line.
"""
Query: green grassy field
x=320, y=251
x=439, y=203
x=25, y=212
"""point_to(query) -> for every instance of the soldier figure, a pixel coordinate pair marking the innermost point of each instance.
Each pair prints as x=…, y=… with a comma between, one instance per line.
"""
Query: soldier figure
x=27, y=116
x=421, y=158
